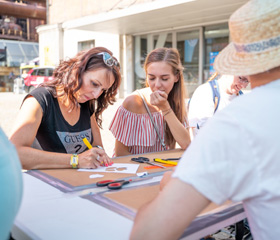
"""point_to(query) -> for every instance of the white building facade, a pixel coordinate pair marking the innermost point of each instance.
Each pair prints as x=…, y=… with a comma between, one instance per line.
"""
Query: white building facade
x=131, y=29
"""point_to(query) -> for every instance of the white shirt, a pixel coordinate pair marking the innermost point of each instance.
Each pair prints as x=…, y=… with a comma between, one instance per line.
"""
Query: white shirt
x=202, y=107
x=236, y=156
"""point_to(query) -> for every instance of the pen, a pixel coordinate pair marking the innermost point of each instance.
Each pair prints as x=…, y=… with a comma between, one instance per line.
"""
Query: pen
x=164, y=161
x=87, y=143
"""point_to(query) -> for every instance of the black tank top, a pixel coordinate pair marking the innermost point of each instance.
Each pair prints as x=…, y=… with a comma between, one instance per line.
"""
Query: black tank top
x=55, y=134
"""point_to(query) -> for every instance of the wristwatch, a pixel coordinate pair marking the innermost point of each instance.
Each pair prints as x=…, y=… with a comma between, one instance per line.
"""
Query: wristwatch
x=98, y=147
x=74, y=161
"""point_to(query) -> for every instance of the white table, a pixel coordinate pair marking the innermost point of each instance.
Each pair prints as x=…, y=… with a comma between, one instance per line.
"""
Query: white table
x=48, y=213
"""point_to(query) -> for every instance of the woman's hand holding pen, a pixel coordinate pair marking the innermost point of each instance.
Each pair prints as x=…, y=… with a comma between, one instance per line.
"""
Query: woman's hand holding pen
x=94, y=158
x=159, y=99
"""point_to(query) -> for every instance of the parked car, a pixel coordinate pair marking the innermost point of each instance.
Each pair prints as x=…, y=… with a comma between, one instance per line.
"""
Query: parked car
x=37, y=76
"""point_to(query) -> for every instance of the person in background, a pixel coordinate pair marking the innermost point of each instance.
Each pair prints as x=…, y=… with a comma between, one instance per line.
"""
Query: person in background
x=213, y=96
x=243, y=138
x=24, y=74
x=11, y=75
x=154, y=118
x=11, y=185
x=55, y=117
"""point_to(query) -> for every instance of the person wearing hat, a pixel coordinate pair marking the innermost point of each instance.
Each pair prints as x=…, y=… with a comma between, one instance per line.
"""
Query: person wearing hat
x=246, y=133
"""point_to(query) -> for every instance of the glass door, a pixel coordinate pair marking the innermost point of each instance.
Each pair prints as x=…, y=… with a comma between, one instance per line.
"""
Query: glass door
x=188, y=47
x=143, y=44
x=216, y=38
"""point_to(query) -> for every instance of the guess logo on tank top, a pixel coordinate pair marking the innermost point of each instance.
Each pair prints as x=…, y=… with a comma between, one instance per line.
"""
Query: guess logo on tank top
x=73, y=141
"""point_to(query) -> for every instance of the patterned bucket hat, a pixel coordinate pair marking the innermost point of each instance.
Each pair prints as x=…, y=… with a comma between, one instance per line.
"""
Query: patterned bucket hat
x=255, y=40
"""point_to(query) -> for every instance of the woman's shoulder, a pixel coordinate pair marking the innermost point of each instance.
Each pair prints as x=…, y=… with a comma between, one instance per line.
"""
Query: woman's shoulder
x=134, y=103
x=40, y=93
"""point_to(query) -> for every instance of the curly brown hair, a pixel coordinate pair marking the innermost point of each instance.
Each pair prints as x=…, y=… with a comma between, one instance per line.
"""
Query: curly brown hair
x=68, y=79
x=177, y=95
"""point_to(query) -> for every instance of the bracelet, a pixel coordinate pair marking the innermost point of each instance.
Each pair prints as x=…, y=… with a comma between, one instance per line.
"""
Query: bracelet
x=169, y=111
x=74, y=161
x=97, y=146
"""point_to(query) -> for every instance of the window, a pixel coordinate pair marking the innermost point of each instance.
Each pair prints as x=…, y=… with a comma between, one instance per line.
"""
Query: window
x=15, y=56
x=41, y=72
x=85, y=45
x=50, y=72
x=216, y=38
x=188, y=47
x=30, y=51
x=19, y=52
x=143, y=45
x=34, y=73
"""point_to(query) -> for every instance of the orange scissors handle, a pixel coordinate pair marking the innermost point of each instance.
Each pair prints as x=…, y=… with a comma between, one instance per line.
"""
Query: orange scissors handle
x=107, y=182
x=117, y=185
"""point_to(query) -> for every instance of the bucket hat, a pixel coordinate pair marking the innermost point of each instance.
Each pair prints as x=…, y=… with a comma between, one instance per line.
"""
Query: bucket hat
x=255, y=40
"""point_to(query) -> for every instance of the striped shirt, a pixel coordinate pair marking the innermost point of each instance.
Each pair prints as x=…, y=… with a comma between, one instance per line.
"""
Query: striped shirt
x=137, y=131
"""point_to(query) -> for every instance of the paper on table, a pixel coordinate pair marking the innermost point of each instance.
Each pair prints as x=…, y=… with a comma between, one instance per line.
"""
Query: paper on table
x=141, y=174
x=115, y=168
x=96, y=176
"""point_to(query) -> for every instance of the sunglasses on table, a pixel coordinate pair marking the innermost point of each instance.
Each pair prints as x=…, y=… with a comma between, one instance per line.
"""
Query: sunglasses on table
x=108, y=59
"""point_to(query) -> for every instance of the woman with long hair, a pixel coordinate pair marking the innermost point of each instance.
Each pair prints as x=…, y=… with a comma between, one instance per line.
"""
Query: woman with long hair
x=154, y=118
x=56, y=117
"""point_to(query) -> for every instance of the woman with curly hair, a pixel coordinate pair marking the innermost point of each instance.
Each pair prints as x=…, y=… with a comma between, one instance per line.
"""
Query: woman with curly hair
x=56, y=117
x=154, y=118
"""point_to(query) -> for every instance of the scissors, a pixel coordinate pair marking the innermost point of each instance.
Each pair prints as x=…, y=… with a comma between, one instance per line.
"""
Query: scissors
x=112, y=184
x=117, y=184
x=145, y=160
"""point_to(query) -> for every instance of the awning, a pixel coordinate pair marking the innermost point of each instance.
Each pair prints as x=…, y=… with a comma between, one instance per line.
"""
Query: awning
x=158, y=15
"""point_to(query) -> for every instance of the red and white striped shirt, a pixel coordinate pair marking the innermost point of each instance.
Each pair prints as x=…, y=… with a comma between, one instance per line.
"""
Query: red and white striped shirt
x=137, y=131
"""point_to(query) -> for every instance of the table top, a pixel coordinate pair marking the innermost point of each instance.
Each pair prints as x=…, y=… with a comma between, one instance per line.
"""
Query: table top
x=57, y=205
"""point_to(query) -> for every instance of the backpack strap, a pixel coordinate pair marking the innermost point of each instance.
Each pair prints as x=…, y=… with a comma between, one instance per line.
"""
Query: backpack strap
x=216, y=93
